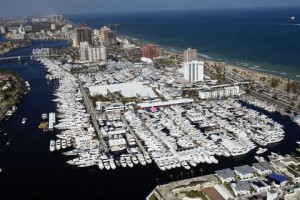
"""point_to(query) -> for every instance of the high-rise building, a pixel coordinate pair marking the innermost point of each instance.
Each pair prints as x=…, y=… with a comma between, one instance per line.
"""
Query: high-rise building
x=193, y=71
x=82, y=34
x=92, y=53
x=190, y=55
x=149, y=51
x=108, y=37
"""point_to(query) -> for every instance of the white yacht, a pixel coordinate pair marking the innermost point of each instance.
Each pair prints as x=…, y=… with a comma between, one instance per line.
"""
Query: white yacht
x=261, y=150
x=52, y=145
x=58, y=144
x=24, y=121
x=100, y=164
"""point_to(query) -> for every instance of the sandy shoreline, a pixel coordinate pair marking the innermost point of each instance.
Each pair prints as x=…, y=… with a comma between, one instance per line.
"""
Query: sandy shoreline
x=261, y=73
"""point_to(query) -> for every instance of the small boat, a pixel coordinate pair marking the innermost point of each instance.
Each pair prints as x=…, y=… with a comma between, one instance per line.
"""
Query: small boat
x=100, y=164
x=8, y=142
x=106, y=165
x=261, y=150
x=58, y=144
x=63, y=144
x=259, y=159
x=24, y=121
x=44, y=116
x=123, y=162
x=69, y=143
x=52, y=145
x=292, y=18
x=112, y=164
x=118, y=164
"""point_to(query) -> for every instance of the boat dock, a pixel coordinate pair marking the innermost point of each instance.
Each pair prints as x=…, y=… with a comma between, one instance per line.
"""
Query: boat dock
x=134, y=135
x=90, y=109
x=52, y=121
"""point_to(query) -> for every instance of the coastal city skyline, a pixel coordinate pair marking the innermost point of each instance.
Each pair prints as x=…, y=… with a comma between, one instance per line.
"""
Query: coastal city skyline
x=128, y=100
x=38, y=7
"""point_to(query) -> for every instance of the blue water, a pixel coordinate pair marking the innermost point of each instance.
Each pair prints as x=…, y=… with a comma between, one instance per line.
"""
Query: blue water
x=30, y=170
x=263, y=39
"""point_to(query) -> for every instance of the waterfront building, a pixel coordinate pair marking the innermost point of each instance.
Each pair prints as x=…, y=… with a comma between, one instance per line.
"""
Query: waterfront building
x=241, y=188
x=262, y=168
x=193, y=71
x=21, y=30
x=96, y=32
x=278, y=179
x=260, y=186
x=225, y=175
x=244, y=172
x=90, y=53
x=190, y=55
x=140, y=89
x=214, y=93
x=149, y=51
x=64, y=29
x=53, y=26
x=108, y=37
x=82, y=34
x=28, y=28
x=272, y=195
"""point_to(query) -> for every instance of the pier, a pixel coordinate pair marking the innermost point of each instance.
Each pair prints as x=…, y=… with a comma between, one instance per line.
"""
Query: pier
x=90, y=109
x=134, y=135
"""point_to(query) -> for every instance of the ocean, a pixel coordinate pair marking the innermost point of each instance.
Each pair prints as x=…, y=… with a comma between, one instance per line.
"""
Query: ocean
x=263, y=39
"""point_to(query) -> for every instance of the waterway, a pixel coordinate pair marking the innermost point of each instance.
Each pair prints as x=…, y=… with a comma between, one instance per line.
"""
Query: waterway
x=30, y=170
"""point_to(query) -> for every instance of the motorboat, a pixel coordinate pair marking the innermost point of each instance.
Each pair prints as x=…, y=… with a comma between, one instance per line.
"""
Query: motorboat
x=24, y=121
x=52, y=145
x=261, y=150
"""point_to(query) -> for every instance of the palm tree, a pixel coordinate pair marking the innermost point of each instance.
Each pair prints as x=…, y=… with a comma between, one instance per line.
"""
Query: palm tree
x=157, y=179
x=201, y=171
x=181, y=174
x=192, y=172
x=171, y=176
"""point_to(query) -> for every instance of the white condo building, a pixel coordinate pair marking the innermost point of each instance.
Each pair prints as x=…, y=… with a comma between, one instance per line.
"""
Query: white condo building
x=190, y=55
x=193, y=71
x=219, y=92
x=92, y=53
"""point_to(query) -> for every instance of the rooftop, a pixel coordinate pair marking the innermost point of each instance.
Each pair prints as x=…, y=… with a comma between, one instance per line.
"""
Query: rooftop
x=244, y=169
x=225, y=173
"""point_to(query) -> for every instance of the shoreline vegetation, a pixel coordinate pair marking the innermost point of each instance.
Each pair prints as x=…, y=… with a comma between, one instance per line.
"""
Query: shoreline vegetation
x=12, y=89
x=288, y=88
x=10, y=45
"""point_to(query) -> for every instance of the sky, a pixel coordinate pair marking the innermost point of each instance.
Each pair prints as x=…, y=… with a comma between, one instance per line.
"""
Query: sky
x=38, y=7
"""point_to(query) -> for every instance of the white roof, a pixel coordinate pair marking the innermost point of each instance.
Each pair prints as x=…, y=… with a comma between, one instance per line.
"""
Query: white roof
x=116, y=142
x=127, y=89
x=165, y=103
x=231, y=144
x=223, y=191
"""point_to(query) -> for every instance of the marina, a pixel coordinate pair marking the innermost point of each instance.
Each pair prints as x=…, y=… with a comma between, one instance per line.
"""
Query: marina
x=172, y=136
x=92, y=178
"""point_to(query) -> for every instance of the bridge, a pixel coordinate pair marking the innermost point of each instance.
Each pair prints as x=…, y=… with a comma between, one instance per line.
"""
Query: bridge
x=19, y=58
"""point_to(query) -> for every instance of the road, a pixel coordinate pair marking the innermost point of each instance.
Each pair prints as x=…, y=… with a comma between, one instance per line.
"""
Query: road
x=90, y=109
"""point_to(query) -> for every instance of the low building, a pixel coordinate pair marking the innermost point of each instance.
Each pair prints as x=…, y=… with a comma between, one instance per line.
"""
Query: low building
x=278, y=179
x=215, y=93
x=128, y=90
x=225, y=175
x=113, y=107
x=262, y=168
x=260, y=186
x=241, y=188
x=244, y=172
x=212, y=194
